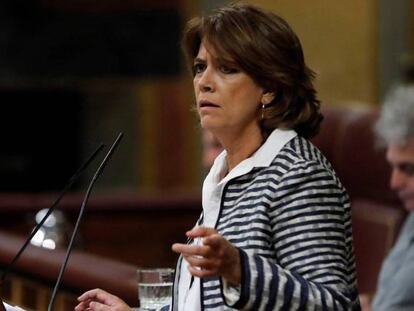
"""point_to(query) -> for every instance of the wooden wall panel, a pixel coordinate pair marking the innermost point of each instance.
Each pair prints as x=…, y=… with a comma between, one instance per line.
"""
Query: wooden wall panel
x=340, y=44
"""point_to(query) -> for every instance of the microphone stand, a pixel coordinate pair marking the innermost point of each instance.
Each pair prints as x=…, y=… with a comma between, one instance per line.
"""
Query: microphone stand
x=75, y=230
x=51, y=209
x=65, y=189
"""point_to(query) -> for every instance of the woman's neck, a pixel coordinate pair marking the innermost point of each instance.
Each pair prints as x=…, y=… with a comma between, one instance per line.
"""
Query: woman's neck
x=241, y=145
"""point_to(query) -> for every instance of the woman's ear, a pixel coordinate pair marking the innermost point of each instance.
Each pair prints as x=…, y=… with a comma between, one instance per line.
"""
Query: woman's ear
x=267, y=98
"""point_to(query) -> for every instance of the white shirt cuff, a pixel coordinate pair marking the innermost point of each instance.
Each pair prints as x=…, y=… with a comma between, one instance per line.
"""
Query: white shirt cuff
x=231, y=293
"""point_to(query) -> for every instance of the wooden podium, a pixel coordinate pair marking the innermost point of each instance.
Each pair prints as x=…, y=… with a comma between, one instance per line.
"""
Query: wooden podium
x=35, y=274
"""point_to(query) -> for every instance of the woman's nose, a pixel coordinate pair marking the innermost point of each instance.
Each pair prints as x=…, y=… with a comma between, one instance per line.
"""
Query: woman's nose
x=206, y=81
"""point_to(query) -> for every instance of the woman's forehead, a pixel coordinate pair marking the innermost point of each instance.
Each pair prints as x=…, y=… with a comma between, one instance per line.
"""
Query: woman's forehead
x=216, y=51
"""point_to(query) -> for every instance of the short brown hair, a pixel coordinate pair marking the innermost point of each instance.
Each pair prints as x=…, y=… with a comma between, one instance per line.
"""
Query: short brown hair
x=267, y=49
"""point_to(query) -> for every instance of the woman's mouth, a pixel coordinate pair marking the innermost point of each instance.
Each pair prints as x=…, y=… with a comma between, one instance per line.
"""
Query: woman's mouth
x=207, y=104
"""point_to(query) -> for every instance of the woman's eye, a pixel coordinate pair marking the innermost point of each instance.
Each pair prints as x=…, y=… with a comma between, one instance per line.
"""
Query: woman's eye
x=198, y=68
x=228, y=69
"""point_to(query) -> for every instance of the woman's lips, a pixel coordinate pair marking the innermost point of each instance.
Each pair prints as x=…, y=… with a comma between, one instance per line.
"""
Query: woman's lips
x=207, y=104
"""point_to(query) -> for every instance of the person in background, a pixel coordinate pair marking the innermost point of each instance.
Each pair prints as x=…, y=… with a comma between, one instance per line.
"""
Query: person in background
x=275, y=230
x=395, y=128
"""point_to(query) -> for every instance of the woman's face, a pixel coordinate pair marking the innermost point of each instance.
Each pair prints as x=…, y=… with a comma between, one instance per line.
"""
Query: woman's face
x=227, y=98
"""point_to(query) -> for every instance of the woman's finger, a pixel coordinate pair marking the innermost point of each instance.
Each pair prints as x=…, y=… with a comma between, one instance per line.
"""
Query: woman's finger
x=199, y=232
x=94, y=294
x=97, y=306
x=215, y=241
x=100, y=300
x=200, y=262
x=201, y=273
x=81, y=306
x=192, y=250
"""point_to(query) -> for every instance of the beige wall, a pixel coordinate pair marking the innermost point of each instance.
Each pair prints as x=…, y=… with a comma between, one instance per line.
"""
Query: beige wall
x=340, y=43
x=411, y=33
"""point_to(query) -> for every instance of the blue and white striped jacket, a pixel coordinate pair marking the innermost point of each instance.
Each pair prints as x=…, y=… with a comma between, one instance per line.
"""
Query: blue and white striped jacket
x=291, y=222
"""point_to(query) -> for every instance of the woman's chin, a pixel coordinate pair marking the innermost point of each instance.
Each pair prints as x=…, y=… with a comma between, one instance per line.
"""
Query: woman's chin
x=209, y=124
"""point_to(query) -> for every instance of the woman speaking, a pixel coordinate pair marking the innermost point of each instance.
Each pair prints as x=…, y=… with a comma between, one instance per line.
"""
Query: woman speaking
x=275, y=231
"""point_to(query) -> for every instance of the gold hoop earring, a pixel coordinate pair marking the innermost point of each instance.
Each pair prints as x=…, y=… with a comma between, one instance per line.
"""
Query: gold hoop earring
x=266, y=100
x=263, y=110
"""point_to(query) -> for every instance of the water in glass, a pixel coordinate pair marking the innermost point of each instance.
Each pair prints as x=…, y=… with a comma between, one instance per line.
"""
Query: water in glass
x=155, y=295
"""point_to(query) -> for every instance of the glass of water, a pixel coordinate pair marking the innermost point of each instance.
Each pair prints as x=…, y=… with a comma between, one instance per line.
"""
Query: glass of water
x=155, y=287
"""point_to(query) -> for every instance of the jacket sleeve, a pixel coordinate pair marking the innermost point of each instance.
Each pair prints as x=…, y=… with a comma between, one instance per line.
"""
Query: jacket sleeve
x=312, y=237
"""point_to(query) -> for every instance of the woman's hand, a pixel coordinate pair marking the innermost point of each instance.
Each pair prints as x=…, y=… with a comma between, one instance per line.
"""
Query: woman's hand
x=99, y=300
x=214, y=257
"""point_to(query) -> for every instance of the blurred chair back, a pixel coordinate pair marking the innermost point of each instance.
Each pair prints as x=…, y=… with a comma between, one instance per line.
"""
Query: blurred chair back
x=348, y=141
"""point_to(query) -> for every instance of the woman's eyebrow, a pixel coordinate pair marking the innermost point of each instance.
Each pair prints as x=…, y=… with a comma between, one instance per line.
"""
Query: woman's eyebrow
x=199, y=60
x=226, y=61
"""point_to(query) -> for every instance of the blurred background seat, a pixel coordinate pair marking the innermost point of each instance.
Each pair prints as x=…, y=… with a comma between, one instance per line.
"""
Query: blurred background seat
x=348, y=141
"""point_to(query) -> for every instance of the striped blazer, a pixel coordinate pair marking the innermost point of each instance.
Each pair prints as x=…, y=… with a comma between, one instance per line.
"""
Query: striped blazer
x=291, y=222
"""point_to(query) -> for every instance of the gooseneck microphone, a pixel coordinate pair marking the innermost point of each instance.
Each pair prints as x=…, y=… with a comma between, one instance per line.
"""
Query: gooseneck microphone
x=75, y=230
x=51, y=209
